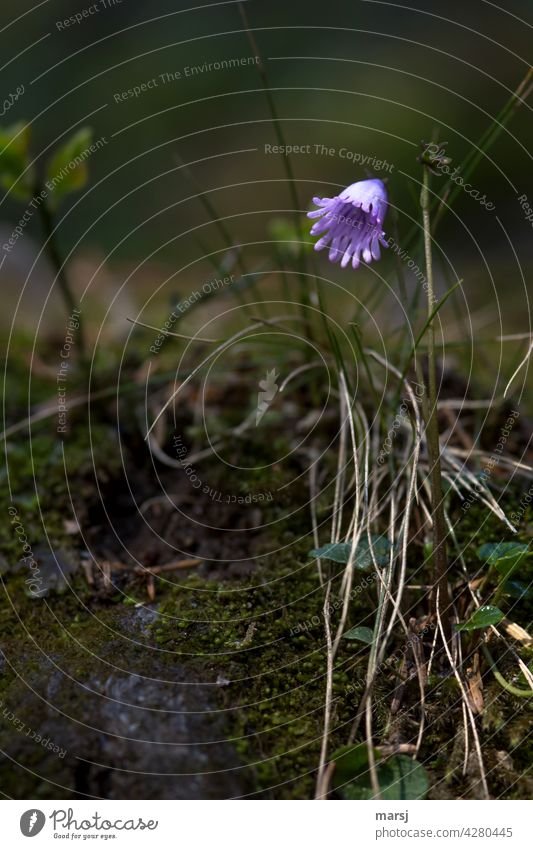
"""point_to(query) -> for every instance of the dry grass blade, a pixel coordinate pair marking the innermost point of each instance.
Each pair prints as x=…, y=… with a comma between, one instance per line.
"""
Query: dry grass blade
x=467, y=708
x=195, y=371
x=164, y=332
x=518, y=369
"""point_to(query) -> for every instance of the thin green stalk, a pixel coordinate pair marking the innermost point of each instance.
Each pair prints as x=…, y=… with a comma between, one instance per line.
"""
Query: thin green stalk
x=472, y=160
x=515, y=691
x=412, y=355
x=422, y=383
x=54, y=255
x=373, y=391
x=399, y=267
x=275, y=118
x=286, y=163
x=440, y=560
x=212, y=212
x=284, y=278
x=487, y=140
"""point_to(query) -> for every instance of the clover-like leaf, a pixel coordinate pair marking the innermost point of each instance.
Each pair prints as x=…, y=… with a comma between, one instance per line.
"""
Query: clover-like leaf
x=505, y=556
x=67, y=170
x=517, y=589
x=340, y=552
x=399, y=777
x=351, y=762
x=16, y=175
x=361, y=633
x=482, y=618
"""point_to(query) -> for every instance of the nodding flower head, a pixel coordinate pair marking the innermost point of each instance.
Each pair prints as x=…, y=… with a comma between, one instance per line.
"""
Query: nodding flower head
x=351, y=223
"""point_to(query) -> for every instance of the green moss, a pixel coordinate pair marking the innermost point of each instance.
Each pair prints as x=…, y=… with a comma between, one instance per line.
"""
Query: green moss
x=264, y=635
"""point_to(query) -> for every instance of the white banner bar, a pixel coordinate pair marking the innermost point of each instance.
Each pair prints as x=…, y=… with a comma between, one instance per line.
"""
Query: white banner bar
x=266, y=824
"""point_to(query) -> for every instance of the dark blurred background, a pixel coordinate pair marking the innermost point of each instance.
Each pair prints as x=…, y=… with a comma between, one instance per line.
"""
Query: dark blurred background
x=373, y=77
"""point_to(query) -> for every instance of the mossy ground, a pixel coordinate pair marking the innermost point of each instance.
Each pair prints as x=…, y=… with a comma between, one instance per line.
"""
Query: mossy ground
x=260, y=636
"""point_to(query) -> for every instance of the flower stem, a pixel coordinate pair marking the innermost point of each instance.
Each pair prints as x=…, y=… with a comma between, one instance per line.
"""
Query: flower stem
x=291, y=182
x=440, y=594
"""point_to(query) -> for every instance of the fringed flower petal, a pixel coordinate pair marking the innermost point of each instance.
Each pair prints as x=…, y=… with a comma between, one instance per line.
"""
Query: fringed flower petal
x=352, y=223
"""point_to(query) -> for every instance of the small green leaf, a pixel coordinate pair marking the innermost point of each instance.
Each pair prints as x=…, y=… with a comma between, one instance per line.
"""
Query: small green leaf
x=337, y=551
x=506, y=556
x=482, y=618
x=351, y=763
x=287, y=238
x=359, y=632
x=399, y=777
x=340, y=552
x=491, y=552
x=15, y=159
x=517, y=589
x=67, y=170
